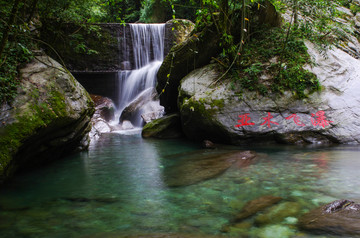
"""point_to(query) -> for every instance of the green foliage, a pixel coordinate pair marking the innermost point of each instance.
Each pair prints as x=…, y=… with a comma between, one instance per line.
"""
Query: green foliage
x=261, y=56
x=168, y=9
x=17, y=50
x=118, y=11
x=80, y=11
x=16, y=54
x=354, y=8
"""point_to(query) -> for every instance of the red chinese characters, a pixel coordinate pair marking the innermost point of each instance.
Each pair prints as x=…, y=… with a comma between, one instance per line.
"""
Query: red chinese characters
x=319, y=119
x=296, y=119
x=267, y=120
x=244, y=120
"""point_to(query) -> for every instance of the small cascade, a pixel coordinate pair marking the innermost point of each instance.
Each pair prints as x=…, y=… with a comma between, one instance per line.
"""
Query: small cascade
x=135, y=85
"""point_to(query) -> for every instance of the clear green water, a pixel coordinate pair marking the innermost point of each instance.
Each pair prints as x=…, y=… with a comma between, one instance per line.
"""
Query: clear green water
x=117, y=187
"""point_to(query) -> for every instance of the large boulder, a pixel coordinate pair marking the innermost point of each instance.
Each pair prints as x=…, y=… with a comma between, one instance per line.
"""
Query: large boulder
x=49, y=118
x=216, y=112
x=341, y=217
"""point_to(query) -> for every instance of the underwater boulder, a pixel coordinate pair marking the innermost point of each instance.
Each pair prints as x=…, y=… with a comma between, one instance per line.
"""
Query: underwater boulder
x=341, y=217
x=203, y=166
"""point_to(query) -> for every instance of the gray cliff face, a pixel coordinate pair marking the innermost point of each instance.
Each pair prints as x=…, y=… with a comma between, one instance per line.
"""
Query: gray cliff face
x=332, y=115
x=49, y=118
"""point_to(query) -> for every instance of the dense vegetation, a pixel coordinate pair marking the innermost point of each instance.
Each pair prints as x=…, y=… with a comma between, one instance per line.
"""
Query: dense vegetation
x=271, y=58
x=236, y=21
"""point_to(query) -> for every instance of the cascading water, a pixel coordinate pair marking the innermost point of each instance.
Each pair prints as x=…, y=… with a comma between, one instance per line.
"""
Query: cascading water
x=148, y=54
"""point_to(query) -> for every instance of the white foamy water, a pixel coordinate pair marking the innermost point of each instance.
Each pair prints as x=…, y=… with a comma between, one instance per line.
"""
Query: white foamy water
x=148, y=52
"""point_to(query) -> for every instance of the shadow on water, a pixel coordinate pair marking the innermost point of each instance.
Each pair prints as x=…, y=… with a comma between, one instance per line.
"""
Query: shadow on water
x=120, y=188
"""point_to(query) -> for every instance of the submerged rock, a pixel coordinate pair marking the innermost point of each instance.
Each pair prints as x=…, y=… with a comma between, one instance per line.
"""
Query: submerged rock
x=152, y=235
x=204, y=166
x=49, y=118
x=255, y=206
x=250, y=209
x=278, y=213
x=164, y=128
x=276, y=231
x=341, y=217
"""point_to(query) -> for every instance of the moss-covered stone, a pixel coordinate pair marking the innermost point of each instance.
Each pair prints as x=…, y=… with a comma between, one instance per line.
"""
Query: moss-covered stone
x=181, y=29
x=164, y=128
x=49, y=117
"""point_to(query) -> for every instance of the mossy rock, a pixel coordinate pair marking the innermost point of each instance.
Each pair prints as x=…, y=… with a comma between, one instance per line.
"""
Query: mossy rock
x=49, y=118
x=164, y=128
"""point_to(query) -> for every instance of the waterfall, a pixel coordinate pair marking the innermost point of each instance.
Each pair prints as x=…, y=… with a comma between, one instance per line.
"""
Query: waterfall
x=147, y=41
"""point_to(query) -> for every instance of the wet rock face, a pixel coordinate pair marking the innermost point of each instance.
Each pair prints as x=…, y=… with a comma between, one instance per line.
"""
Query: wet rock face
x=104, y=113
x=104, y=107
x=330, y=116
x=200, y=167
x=340, y=217
x=49, y=118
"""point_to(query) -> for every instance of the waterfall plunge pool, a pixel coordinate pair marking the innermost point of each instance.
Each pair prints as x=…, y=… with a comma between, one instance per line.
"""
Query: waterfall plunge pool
x=117, y=188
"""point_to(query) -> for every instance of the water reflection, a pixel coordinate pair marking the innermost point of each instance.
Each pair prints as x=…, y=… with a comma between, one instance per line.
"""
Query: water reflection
x=130, y=170
x=342, y=179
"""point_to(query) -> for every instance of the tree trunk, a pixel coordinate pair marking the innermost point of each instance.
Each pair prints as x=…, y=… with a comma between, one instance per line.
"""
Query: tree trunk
x=224, y=14
x=9, y=24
